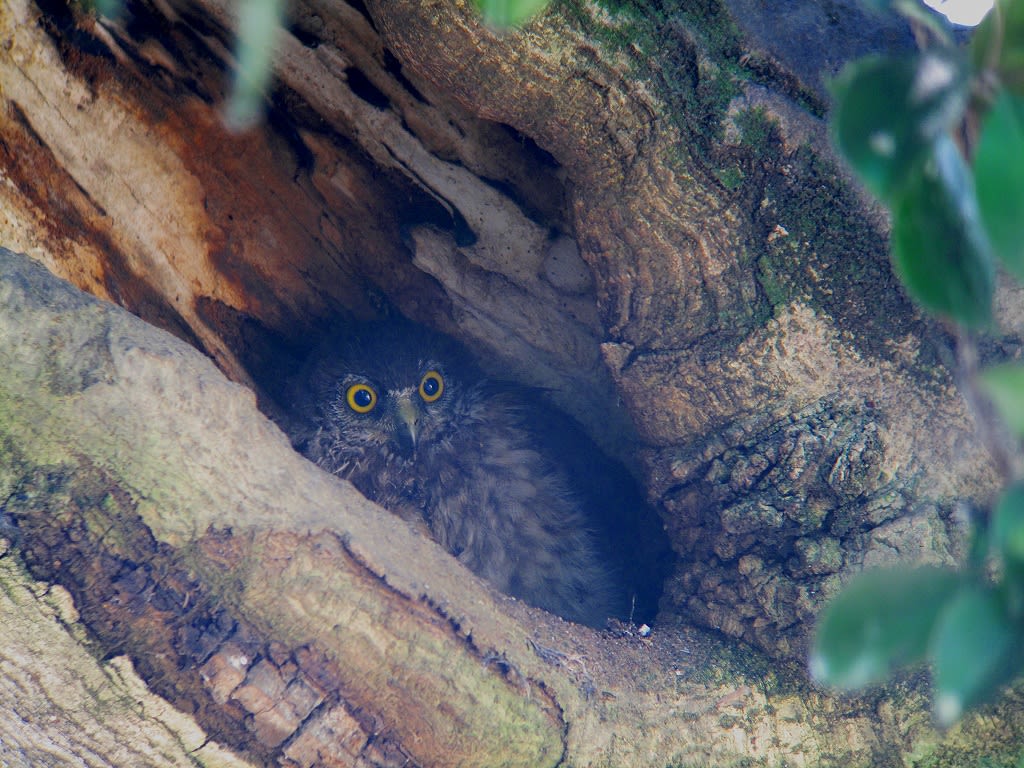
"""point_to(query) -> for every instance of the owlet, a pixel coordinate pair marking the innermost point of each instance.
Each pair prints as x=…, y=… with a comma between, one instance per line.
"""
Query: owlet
x=404, y=415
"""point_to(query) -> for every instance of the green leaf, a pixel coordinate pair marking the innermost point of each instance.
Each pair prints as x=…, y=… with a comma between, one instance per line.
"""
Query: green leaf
x=997, y=45
x=1008, y=524
x=999, y=178
x=889, y=112
x=258, y=25
x=112, y=9
x=939, y=247
x=881, y=620
x=1007, y=538
x=1004, y=384
x=977, y=545
x=509, y=13
x=973, y=651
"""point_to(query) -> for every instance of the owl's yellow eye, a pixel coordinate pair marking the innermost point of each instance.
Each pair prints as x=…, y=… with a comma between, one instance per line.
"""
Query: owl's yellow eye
x=431, y=386
x=361, y=398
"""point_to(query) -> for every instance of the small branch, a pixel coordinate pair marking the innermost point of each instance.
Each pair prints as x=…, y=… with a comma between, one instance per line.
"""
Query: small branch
x=989, y=427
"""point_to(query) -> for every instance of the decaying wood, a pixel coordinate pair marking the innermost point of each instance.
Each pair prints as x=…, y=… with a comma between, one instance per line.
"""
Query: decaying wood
x=202, y=563
x=715, y=308
x=63, y=707
x=784, y=431
x=297, y=623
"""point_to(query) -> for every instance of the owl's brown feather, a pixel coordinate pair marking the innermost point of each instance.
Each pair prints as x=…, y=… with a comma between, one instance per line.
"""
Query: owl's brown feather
x=467, y=466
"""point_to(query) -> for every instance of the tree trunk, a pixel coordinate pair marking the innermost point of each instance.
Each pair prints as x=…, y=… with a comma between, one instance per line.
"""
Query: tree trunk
x=635, y=210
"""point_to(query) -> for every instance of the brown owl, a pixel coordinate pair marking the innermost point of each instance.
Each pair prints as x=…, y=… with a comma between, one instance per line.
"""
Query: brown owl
x=404, y=415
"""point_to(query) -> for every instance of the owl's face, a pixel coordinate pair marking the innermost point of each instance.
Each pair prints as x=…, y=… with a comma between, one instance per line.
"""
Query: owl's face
x=399, y=415
x=397, y=394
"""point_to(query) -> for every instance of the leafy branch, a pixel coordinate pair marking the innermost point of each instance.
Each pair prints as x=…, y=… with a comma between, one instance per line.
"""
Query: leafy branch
x=909, y=126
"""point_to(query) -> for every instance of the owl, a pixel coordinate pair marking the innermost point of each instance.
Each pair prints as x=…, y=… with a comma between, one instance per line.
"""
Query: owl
x=403, y=414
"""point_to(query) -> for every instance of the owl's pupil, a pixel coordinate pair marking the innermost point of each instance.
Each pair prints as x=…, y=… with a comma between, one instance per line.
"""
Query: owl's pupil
x=430, y=387
x=363, y=398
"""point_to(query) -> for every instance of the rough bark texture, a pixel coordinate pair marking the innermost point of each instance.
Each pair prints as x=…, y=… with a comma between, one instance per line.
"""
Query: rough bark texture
x=299, y=625
x=636, y=210
x=190, y=556
x=63, y=707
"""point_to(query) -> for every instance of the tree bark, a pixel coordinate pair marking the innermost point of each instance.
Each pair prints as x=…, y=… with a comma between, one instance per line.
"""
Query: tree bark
x=638, y=213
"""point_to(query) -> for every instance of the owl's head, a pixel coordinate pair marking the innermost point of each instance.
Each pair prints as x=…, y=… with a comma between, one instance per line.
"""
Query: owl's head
x=396, y=388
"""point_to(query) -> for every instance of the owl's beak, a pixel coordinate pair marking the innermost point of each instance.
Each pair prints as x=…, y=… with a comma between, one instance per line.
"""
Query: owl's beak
x=409, y=418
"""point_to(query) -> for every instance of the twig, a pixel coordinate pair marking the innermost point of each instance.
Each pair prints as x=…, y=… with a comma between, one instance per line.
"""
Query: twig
x=989, y=427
